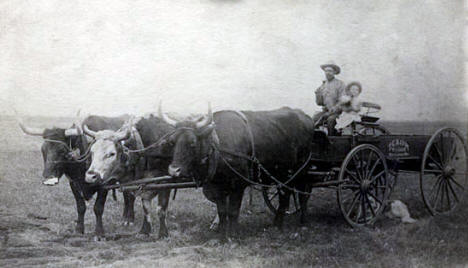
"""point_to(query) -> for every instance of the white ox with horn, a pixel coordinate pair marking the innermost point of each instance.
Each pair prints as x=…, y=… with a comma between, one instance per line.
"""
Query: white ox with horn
x=61, y=156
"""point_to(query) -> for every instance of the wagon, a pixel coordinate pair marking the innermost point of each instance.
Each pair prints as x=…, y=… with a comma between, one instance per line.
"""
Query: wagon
x=362, y=166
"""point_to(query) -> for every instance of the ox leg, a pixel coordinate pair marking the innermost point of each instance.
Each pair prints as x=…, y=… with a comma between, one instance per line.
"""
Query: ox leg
x=303, y=199
x=283, y=205
x=129, y=213
x=98, y=211
x=146, y=199
x=235, y=202
x=221, y=205
x=80, y=208
x=163, y=202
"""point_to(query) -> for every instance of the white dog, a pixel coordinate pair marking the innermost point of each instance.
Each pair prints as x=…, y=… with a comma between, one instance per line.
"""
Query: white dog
x=399, y=210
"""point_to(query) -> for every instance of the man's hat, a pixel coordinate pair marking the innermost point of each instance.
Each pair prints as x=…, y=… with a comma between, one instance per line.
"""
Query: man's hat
x=332, y=65
x=355, y=83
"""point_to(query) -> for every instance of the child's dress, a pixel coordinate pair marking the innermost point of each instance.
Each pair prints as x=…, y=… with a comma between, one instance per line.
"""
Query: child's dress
x=350, y=107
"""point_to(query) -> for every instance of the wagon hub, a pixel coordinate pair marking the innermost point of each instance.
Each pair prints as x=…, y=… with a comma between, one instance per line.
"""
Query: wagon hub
x=448, y=171
x=365, y=184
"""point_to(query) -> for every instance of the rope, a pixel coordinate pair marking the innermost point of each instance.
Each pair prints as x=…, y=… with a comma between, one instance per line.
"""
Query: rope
x=256, y=161
x=157, y=143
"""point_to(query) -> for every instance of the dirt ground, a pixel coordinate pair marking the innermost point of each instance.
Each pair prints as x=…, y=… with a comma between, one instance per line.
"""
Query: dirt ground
x=37, y=222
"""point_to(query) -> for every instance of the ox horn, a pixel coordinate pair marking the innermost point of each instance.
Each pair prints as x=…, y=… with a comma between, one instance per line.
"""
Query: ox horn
x=28, y=130
x=207, y=120
x=164, y=116
x=89, y=132
x=73, y=131
x=123, y=135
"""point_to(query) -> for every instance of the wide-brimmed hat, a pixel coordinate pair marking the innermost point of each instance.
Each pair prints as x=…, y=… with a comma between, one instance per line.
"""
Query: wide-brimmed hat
x=354, y=83
x=332, y=65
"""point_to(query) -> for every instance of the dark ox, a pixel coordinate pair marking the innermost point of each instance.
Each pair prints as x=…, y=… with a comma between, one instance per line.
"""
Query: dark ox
x=59, y=160
x=282, y=140
x=111, y=162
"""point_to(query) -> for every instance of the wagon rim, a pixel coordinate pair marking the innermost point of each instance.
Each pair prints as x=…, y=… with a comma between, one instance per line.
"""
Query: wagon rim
x=363, y=186
x=444, y=175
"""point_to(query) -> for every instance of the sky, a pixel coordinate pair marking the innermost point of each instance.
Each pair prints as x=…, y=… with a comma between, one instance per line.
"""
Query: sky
x=112, y=57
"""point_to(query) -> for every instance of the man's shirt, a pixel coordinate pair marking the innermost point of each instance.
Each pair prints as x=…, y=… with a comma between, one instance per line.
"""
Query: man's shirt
x=329, y=93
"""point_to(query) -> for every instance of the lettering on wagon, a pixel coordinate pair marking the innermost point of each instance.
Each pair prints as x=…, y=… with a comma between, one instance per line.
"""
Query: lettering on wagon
x=398, y=147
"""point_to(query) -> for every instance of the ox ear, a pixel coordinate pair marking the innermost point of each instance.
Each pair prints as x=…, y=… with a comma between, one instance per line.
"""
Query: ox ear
x=205, y=131
x=123, y=158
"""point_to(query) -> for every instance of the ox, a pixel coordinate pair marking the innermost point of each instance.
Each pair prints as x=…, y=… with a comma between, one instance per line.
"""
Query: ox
x=111, y=162
x=214, y=150
x=58, y=156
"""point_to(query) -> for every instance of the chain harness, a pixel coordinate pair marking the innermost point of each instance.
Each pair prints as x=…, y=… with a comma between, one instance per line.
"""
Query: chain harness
x=254, y=161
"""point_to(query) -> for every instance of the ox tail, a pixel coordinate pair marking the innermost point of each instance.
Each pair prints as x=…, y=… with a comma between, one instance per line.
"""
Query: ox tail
x=175, y=192
x=114, y=196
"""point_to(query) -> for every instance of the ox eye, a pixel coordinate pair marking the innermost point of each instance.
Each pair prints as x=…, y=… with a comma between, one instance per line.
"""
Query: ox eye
x=109, y=155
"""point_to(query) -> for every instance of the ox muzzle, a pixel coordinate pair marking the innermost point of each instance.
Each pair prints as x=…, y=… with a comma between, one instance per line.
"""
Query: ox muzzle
x=92, y=177
x=174, y=171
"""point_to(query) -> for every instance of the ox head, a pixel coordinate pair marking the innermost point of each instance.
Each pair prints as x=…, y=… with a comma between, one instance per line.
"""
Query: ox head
x=56, y=150
x=191, y=144
x=108, y=158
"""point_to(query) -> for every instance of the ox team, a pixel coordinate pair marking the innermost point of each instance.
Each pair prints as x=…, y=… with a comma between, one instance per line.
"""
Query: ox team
x=215, y=150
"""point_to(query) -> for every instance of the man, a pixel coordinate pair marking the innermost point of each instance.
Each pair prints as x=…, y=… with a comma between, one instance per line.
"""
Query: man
x=328, y=96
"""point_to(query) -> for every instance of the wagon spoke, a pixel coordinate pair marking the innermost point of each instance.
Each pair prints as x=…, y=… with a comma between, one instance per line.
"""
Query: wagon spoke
x=375, y=197
x=358, y=213
x=433, y=171
x=453, y=191
x=363, y=207
x=357, y=169
x=352, y=186
x=352, y=176
x=442, y=148
x=368, y=163
x=371, y=207
x=378, y=175
x=374, y=166
x=439, y=187
x=453, y=150
x=353, y=204
x=435, y=161
x=435, y=186
x=456, y=182
x=442, y=195
x=441, y=156
x=447, y=194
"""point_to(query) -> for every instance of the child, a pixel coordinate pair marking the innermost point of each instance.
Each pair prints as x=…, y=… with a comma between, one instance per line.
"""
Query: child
x=350, y=106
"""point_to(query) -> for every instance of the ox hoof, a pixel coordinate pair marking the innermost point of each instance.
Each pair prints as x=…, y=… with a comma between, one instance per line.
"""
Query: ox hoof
x=79, y=230
x=127, y=223
x=214, y=227
x=98, y=238
x=142, y=236
x=163, y=235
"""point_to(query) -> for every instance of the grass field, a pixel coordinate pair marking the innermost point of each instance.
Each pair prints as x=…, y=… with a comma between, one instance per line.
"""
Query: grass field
x=37, y=222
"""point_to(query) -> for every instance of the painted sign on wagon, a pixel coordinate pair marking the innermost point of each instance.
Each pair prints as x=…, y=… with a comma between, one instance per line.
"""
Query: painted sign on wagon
x=398, y=147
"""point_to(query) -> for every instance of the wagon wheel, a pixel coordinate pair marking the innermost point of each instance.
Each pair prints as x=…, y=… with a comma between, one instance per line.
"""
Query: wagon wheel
x=372, y=130
x=444, y=171
x=271, y=197
x=363, y=185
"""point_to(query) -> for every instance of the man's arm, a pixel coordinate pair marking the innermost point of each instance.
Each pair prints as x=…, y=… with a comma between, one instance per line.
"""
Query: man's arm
x=340, y=92
x=319, y=95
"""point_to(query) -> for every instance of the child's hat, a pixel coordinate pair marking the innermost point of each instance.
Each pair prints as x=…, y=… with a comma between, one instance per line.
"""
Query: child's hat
x=354, y=83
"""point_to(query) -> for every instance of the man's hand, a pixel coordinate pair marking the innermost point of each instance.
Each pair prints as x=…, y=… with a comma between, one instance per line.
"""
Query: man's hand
x=335, y=109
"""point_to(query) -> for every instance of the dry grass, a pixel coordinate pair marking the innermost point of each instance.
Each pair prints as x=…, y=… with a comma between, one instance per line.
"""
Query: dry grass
x=36, y=224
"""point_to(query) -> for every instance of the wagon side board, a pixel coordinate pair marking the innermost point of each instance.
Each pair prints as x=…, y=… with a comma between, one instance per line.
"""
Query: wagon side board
x=403, y=151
